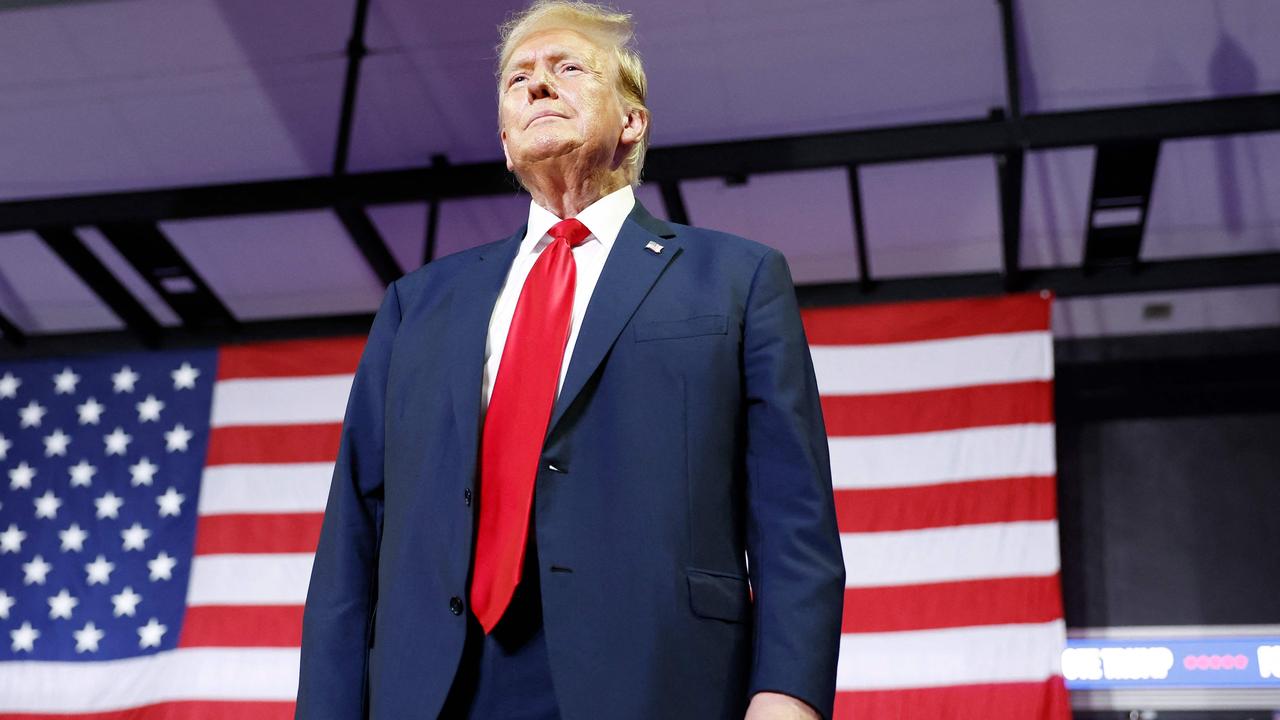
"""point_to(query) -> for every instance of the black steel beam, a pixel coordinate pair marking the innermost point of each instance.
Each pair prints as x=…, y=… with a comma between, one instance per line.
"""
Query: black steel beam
x=1224, y=116
x=1012, y=81
x=673, y=199
x=148, y=249
x=356, y=51
x=1159, y=276
x=1063, y=281
x=1120, y=196
x=366, y=237
x=859, y=229
x=13, y=335
x=438, y=162
x=67, y=245
x=1009, y=171
x=181, y=337
x=433, y=224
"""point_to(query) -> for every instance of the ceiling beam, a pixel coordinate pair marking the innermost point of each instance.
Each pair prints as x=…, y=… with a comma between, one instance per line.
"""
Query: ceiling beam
x=356, y=50
x=68, y=246
x=1158, y=276
x=859, y=229
x=149, y=250
x=1123, y=177
x=1223, y=116
x=13, y=335
x=673, y=201
x=367, y=238
x=1185, y=274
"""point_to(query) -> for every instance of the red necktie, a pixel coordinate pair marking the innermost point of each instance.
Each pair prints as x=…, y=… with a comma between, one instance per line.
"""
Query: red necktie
x=515, y=424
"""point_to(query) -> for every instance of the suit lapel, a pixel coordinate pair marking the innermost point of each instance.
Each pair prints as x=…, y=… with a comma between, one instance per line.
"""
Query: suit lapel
x=471, y=307
x=628, y=273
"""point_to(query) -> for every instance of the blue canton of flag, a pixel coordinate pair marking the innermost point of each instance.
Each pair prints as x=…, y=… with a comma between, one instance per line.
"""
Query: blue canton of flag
x=100, y=465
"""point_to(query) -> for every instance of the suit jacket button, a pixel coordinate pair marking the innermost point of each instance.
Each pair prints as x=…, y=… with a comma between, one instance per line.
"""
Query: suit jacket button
x=466, y=496
x=455, y=605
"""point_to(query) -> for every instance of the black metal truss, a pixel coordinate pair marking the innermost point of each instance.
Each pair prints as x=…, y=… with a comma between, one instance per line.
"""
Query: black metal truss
x=1123, y=176
x=992, y=136
x=11, y=332
x=1156, y=276
x=67, y=245
x=149, y=250
x=1007, y=138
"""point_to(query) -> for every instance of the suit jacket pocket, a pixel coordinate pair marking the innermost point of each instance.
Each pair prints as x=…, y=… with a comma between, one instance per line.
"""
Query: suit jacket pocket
x=689, y=327
x=719, y=596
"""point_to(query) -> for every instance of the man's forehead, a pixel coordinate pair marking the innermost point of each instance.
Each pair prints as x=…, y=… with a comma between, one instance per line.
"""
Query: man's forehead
x=554, y=43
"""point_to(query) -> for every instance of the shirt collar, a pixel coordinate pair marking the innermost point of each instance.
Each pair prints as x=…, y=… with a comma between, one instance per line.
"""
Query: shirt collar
x=603, y=218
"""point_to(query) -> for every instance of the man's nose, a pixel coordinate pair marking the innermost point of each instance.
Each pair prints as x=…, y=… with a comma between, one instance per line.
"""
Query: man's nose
x=541, y=85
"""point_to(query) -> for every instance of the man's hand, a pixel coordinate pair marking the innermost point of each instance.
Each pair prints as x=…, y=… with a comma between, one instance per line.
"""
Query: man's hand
x=776, y=706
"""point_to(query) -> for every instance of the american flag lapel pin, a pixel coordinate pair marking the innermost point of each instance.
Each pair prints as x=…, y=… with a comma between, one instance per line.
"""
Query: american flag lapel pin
x=654, y=247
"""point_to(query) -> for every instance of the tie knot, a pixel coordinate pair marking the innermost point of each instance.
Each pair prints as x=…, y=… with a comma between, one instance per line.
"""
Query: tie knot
x=572, y=230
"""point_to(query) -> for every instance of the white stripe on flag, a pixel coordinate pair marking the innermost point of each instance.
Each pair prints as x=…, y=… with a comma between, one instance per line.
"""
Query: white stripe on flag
x=965, y=552
x=933, y=364
x=183, y=674
x=284, y=488
x=280, y=401
x=951, y=656
x=879, y=461
x=279, y=579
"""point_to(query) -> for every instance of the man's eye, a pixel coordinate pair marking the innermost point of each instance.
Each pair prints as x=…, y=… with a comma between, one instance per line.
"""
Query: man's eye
x=516, y=78
x=571, y=66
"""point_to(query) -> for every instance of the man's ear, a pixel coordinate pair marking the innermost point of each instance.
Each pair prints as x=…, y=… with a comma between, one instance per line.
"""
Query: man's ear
x=634, y=123
x=502, y=136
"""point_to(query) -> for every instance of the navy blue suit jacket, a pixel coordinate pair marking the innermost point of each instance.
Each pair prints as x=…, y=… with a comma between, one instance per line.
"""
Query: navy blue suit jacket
x=686, y=440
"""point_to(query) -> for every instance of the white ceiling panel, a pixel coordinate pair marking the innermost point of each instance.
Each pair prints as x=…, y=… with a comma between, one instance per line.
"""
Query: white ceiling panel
x=279, y=265
x=475, y=221
x=650, y=196
x=932, y=218
x=106, y=96
x=40, y=294
x=806, y=215
x=1215, y=196
x=718, y=70
x=1087, y=53
x=1055, y=203
x=403, y=228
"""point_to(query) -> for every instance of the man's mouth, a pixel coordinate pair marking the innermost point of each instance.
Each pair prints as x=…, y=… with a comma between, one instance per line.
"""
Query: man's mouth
x=544, y=116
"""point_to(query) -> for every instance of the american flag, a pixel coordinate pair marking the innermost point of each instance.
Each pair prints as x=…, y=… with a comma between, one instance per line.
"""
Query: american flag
x=942, y=455
x=940, y=424
x=158, y=525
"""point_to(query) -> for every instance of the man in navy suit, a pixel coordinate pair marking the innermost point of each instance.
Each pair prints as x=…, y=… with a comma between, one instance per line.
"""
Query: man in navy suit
x=583, y=472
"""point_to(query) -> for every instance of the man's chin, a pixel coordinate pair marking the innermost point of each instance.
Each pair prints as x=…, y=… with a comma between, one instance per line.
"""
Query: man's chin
x=547, y=151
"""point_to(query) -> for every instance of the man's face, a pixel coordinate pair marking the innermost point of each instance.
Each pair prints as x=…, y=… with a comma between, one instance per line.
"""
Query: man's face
x=557, y=97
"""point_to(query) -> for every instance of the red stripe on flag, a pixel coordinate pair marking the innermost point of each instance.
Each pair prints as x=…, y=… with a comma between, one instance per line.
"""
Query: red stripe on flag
x=934, y=410
x=966, y=603
x=253, y=533
x=927, y=320
x=242, y=626
x=1046, y=700
x=252, y=444
x=943, y=505
x=178, y=710
x=290, y=358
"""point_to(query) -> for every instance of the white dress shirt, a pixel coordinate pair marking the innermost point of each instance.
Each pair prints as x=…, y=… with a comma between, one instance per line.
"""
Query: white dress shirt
x=604, y=219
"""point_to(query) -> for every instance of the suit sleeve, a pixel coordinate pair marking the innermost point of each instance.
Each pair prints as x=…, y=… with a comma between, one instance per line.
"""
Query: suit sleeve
x=340, y=598
x=793, y=544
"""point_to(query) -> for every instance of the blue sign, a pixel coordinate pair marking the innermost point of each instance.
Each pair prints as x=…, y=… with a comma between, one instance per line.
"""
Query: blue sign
x=1092, y=664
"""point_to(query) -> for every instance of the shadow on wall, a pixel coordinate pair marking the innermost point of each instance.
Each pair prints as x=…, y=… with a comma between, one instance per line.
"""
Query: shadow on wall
x=1232, y=72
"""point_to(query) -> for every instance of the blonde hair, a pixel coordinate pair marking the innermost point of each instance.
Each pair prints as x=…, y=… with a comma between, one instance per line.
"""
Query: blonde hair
x=598, y=22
